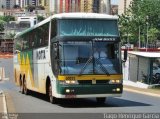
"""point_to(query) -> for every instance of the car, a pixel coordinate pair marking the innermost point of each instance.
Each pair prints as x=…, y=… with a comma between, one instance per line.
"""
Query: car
x=156, y=71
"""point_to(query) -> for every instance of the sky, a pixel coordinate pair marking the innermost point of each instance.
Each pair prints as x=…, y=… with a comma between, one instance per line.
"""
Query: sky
x=115, y=2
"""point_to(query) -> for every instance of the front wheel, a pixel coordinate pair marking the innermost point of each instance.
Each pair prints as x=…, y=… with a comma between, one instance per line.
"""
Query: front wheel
x=52, y=99
x=101, y=100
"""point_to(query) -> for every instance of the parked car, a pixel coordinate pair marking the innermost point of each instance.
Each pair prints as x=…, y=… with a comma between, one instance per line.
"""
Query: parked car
x=156, y=71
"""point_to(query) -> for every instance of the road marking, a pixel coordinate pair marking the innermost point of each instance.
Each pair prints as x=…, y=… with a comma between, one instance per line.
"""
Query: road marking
x=4, y=107
x=142, y=92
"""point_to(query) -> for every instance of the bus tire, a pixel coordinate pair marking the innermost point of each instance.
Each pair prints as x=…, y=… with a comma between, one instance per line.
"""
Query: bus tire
x=101, y=100
x=25, y=87
x=52, y=99
x=21, y=85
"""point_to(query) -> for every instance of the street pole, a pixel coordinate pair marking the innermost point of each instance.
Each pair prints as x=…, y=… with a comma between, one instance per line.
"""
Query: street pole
x=147, y=34
x=147, y=39
x=127, y=35
x=139, y=36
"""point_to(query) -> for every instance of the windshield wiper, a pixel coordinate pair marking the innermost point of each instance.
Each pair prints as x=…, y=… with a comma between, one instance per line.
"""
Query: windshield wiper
x=101, y=66
x=84, y=67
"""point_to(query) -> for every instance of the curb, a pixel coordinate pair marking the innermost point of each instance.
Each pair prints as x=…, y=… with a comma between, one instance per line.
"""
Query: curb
x=5, y=104
x=5, y=111
x=142, y=92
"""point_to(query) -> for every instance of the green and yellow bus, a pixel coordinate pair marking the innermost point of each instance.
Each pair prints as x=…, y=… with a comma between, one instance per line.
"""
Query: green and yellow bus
x=70, y=55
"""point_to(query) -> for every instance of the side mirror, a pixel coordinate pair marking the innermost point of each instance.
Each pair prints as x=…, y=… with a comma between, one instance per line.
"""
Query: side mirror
x=125, y=55
x=56, y=50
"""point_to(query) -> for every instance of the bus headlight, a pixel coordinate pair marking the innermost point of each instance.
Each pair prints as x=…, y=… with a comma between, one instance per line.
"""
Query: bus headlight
x=115, y=81
x=69, y=82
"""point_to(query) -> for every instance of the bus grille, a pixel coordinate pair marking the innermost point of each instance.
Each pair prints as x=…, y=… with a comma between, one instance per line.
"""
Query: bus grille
x=89, y=82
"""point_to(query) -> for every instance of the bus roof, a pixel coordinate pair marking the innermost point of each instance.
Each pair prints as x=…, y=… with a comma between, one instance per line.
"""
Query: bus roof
x=71, y=16
x=83, y=16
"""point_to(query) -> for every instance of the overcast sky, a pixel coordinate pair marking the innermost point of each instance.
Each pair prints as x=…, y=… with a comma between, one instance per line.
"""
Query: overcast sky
x=114, y=2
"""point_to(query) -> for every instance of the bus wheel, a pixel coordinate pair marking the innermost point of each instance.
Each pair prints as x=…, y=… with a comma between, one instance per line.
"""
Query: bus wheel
x=52, y=99
x=101, y=100
x=21, y=87
x=25, y=87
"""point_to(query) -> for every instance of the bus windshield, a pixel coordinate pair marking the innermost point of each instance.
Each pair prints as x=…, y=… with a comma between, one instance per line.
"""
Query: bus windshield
x=88, y=27
x=89, y=58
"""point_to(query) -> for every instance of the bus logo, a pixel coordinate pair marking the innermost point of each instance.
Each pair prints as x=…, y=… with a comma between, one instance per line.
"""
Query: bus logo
x=41, y=55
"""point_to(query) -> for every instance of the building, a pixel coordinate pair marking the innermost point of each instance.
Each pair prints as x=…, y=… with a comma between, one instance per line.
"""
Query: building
x=47, y=4
x=142, y=69
x=86, y=6
x=24, y=3
x=105, y=6
x=64, y=6
x=123, y=5
x=12, y=12
x=114, y=9
x=97, y=6
x=7, y=4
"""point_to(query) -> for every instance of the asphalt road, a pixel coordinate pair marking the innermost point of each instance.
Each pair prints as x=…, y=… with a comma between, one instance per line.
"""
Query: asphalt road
x=36, y=103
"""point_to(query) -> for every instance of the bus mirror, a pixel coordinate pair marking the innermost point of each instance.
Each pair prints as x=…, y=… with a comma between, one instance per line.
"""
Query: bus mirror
x=17, y=51
x=56, y=52
x=125, y=55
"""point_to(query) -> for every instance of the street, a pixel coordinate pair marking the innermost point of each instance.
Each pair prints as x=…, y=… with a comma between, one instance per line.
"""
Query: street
x=36, y=103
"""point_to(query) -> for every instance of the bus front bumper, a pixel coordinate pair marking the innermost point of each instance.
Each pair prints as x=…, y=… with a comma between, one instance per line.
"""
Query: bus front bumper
x=87, y=91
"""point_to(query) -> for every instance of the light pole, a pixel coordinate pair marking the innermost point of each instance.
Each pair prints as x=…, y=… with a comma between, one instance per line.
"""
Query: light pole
x=139, y=36
x=128, y=19
x=147, y=35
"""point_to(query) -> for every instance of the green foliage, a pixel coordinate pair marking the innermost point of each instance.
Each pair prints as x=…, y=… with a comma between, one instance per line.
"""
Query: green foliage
x=3, y=20
x=140, y=15
x=2, y=25
x=10, y=35
x=153, y=34
x=7, y=18
x=40, y=18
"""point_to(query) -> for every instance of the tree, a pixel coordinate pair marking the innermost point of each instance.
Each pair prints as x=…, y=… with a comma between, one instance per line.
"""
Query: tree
x=2, y=25
x=140, y=14
x=8, y=18
x=40, y=18
x=153, y=34
x=10, y=35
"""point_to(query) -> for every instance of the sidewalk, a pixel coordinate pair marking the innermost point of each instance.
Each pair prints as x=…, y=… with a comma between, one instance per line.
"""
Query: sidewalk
x=150, y=92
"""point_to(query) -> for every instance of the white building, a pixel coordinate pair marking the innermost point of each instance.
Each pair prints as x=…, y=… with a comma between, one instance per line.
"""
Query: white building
x=105, y=6
x=24, y=3
x=123, y=5
x=31, y=20
x=7, y=4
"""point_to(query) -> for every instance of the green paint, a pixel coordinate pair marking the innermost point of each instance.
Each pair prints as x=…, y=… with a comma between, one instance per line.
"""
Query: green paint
x=89, y=89
x=30, y=56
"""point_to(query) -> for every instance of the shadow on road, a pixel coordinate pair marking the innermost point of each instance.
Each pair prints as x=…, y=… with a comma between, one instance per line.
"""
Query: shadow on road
x=91, y=102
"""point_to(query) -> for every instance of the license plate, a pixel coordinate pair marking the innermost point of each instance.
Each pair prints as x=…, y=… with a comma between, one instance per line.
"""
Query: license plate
x=93, y=81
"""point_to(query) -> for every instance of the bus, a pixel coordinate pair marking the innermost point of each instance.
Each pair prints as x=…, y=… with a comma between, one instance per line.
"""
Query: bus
x=70, y=55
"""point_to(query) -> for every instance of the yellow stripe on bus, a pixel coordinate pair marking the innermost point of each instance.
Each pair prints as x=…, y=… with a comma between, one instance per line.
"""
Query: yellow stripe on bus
x=90, y=77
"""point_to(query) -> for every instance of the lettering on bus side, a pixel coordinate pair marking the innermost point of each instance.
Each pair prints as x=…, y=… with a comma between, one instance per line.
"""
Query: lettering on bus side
x=41, y=55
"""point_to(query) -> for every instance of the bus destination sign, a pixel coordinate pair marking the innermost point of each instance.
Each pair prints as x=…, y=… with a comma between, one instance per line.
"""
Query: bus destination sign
x=104, y=39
